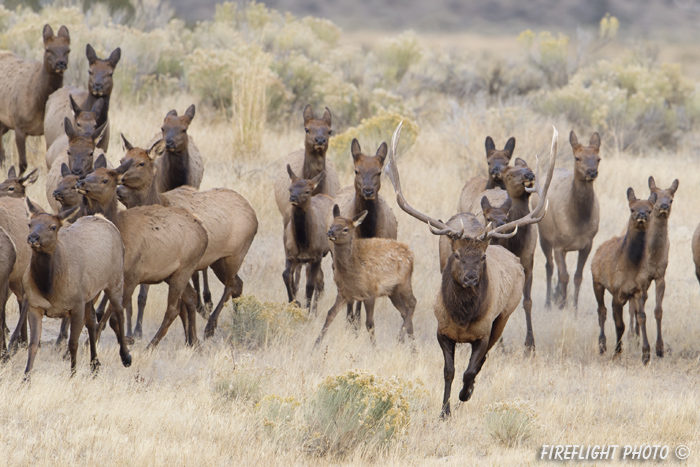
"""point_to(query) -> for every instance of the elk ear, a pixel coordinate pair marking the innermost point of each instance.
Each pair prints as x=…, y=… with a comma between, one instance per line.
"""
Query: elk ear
x=97, y=106
x=652, y=198
x=32, y=208
x=317, y=179
x=336, y=211
x=157, y=149
x=507, y=204
x=327, y=117
x=510, y=147
x=595, y=140
x=63, y=32
x=490, y=146
x=293, y=177
x=127, y=145
x=99, y=133
x=90, y=54
x=47, y=34
x=121, y=170
x=674, y=186
x=357, y=220
x=308, y=113
x=630, y=195
x=652, y=183
x=172, y=113
x=573, y=140
x=63, y=215
x=30, y=178
x=381, y=153
x=189, y=113
x=65, y=171
x=485, y=204
x=114, y=57
x=520, y=162
x=100, y=162
x=74, y=105
x=355, y=149
x=68, y=126
x=12, y=173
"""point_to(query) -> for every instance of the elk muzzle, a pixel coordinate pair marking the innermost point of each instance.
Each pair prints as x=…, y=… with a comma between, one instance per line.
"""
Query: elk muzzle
x=470, y=279
x=60, y=66
x=592, y=174
x=33, y=240
x=97, y=89
x=368, y=193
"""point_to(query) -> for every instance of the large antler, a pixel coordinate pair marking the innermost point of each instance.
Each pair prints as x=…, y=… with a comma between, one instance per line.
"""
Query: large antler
x=534, y=215
x=437, y=227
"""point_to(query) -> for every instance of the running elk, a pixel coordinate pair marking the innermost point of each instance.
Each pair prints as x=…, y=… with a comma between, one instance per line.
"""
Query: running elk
x=380, y=220
x=69, y=267
x=481, y=283
x=496, y=161
x=100, y=84
x=619, y=266
x=572, y=219
x=25, y=87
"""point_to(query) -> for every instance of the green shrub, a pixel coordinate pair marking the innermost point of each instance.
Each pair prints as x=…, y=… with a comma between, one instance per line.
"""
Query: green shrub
x=253, y=324
x=510, y=422
x=355, y=410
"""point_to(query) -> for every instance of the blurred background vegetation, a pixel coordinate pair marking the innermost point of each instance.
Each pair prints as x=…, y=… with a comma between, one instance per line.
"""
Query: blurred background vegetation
x=590, y=63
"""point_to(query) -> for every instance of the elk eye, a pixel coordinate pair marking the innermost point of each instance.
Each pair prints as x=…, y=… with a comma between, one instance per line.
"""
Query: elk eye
x=456, y=255
x=53, y=227
x=11, y=188
x=483, y=258
x=90, y=72
x=162, y=129
x=91, y=153
x=109, y=75
x=357, y=172
x=104, y=181
x=183, y=131
x=670, y=202
x=307, y=192
x=578, y=159
x=306, y=130
x=68, y=152
x=330, y=131
x=345, y=230
x=632, y=211
x=141, y=164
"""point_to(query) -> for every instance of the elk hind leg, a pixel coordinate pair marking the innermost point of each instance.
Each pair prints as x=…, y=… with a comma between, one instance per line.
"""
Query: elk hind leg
x=549, y=268
x=226, y=269
x=659, y=313
x=562, y=285
x=578, y=275
x=599, y=291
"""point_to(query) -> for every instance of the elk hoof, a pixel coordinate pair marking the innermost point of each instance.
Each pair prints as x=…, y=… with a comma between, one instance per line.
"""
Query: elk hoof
x=209, y=331
x=129, y=340
x=660, y=351
x=645, y=356
x=95, y=367
x=466, y=393
x=126, y=359
x=138, y=334
x=445, y=414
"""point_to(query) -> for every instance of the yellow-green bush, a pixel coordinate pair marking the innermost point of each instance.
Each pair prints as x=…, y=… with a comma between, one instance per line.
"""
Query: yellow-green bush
x=254, y=324
x=510, y=422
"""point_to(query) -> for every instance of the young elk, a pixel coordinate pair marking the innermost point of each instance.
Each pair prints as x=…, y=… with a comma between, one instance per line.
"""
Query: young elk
x=100, y=84
x=369, y=268
x=658, y=246
x=305, y=235
x=69, y=267
x=497, y=161
x=619, y=266
x=25, y=87
x=380, y=221
x=227, y=216
x=572, y=220
x=85, y=125
x=481, y=283
x=67, y=192
x=16, y=187
x=308, y=163
x=519, y=181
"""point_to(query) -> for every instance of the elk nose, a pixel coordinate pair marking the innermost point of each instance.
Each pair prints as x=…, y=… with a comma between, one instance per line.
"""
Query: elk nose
x=293, y=199
x=61, y=65
x=97, y=86
x=76, y=171
x=80, y=183
x=320, y=140
x=32, y=239
x=56, y=193
x=665, y=207
x=471, y=279
x=368, y=192
x=529, y=176
x=169, y=144
x=592, y=173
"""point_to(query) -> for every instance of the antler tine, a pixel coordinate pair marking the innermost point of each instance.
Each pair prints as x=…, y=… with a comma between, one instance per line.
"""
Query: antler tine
x=436, y=227
x=534, y=215
x=536, y=188
x=505, y=235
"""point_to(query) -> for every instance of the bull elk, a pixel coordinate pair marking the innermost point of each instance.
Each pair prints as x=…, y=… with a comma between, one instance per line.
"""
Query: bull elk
x=25, y=88
x=619, y=266
x=100, y=85
x=572, y=220
x=69, y=267
x=481, y=283
x=497, y=160
x=364, y=196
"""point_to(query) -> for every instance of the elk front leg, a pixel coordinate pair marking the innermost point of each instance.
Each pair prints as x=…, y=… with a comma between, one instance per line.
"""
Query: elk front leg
x=141, y=303
x=206, y=294
x=475, y=362
x=642, y=320
x=35, y=315
x=561, y=290
x=311, y=275
x=63, y=332
x=549, y=268
x=448, y=352
x=21, y=140
x=3, y=130
x=77, y=321
x=339, y=303
x=617, y=306
x=599, y=292
x=91, y=328
x=527, y=306
x=659, y=313
x=289, y=282
x=578, y=275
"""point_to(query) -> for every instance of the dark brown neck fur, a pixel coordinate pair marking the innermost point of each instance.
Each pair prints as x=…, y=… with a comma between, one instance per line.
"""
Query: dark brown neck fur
x=48, y=83
x=102, y=117
x=582, y=196
x=314, y=163
x=465, y=305
x=301, y=225
x=177, y=169
x=368, y=228
x=491, y=183
x=634, y=245
x=517, y=243
x=658, y=240
x=41, y=268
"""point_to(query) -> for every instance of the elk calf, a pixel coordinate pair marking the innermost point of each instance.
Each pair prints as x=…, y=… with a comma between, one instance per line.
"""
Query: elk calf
x=25, y=87
x=369, y=268
x=619, y=267
x=496, y=161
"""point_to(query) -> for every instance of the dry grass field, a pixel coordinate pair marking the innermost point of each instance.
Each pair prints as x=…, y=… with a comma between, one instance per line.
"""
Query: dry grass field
x=207, y=406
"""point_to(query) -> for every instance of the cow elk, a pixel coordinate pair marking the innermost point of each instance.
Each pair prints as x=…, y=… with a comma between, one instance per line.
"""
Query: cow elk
x=25, y=87
x=380, y=220
x=100, y=85
x=16, y=187
x=572, y=219
x=497, y=160
x=481, y=283
x=8, y=256
x=85, y=125
x=69, y=267
x=619, y=266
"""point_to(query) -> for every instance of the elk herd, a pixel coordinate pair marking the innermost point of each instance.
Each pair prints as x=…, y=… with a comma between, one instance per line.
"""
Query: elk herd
x=170, y=231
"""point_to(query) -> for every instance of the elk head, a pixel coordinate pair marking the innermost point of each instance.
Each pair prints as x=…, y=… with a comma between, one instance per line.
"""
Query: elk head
x=518, y=179
x=81, y=149
x=100, y=82
x=16, y=187
x=342, y=229
x=44, y=227
x=498, y=160
x=86, y=120
x=318, y=130
x=664, y=198
x=300, y=191
x=101, y=185
x=368, y=170
x=56, y=50
x=67, y=193
x=468, y=263
x=142, y=170
x=640, y=209
x=586, y=158
x=175, y=130
x=496, y=216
